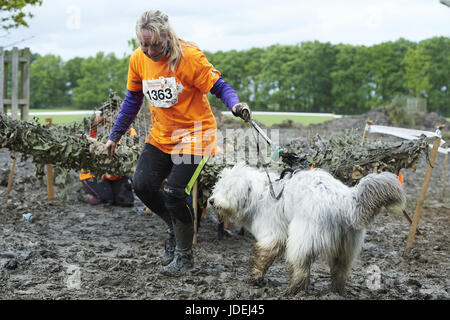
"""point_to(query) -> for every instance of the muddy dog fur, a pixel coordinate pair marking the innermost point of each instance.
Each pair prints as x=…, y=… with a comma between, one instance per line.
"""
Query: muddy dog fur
x=316, y=214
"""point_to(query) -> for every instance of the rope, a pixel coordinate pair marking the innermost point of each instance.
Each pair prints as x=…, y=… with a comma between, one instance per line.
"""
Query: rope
x=272, y=192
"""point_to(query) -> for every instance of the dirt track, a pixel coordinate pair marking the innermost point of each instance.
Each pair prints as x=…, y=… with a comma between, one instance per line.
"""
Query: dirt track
x=72, y=250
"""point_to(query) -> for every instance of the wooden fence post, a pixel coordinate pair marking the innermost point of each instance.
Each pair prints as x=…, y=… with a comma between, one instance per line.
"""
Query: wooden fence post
x=15, y=83
x=25, y=84
x=444, y=177
x=49, y=172
x=10, y=179
x=20, y=96
x=19, y=86
x=426, y=180
x=366, y=131
x=410, y=220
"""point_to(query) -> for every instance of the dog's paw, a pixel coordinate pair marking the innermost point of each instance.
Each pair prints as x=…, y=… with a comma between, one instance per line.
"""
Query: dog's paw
x=338, y=286
x=273, y=283
x=296, y=288
x=291, y=291
x=338, y=289
x=259, y=282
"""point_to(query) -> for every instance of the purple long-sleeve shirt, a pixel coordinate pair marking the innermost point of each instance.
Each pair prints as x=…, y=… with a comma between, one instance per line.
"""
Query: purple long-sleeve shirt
x=225, y=92
x=128, y=112
x=133, y=101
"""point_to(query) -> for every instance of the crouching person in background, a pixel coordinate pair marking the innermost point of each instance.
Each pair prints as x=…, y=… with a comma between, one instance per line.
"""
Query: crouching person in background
x=115, y=190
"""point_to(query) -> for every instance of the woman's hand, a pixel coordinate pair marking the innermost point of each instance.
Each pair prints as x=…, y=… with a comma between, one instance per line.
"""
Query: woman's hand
x=111, y=148
x=242, y=110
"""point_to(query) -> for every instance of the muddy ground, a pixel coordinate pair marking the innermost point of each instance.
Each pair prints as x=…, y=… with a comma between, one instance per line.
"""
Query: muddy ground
x=72, y=250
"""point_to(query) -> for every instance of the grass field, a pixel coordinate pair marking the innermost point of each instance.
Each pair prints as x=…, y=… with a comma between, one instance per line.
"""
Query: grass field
x=61, y=119
x=266, y=120
x=269, y=120
x=57, y=119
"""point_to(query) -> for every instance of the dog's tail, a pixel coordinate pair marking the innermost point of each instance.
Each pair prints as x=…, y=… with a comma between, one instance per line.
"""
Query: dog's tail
x=373, y=192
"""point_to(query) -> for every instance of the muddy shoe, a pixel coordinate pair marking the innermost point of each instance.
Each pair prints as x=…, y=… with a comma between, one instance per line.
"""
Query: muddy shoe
x=169, y=248
x=182, y=262
x=87, y=198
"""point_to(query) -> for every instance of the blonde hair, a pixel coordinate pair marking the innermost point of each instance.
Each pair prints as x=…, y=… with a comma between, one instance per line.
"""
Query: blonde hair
x=158, y=23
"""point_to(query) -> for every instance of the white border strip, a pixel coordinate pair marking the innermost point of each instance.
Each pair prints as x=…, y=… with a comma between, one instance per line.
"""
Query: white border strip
x=409, y=134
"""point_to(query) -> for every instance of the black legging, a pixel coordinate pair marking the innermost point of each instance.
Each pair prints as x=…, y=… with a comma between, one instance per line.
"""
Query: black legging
x=152, y=168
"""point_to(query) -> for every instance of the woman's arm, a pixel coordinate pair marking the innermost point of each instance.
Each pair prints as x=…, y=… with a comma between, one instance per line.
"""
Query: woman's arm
x=225, y=92
x=130, y=108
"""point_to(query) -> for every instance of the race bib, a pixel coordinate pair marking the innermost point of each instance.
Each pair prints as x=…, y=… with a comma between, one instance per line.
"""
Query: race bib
x=162, y=93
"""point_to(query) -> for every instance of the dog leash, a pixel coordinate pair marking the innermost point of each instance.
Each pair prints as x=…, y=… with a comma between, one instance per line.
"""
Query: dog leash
x=272, y=192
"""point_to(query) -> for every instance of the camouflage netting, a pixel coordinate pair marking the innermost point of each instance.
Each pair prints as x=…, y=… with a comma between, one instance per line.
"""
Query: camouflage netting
x=54, y=146
x=70, y=147
x=348, y=160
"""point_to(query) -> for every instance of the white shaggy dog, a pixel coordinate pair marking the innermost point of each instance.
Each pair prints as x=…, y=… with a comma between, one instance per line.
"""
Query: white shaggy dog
x=316, y=214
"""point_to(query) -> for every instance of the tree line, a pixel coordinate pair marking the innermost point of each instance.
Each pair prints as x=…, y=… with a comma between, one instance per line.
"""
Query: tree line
x=308, y=77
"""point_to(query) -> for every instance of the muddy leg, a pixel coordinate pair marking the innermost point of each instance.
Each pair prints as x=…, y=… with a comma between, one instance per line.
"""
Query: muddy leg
x=341, y=262
x=300, y=254
x=339, y=270
x=299, y=275
x=263, y=259
x=220, y=231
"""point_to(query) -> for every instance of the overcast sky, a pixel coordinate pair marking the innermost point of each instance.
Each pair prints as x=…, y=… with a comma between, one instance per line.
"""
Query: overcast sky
x=71, y=28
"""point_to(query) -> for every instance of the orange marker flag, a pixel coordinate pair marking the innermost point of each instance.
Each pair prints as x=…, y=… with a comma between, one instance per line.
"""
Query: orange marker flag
x=133, y=132
x=400, y=178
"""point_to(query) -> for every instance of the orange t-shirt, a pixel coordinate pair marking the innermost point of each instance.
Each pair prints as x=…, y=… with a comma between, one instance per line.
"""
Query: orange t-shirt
x=182, y=119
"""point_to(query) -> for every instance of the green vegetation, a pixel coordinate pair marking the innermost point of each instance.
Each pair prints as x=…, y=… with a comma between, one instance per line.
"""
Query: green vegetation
x=307, y=77
x=61, y=119
x=13, y=15
x=78, y=83
x=57, y=119
x=269, y=120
